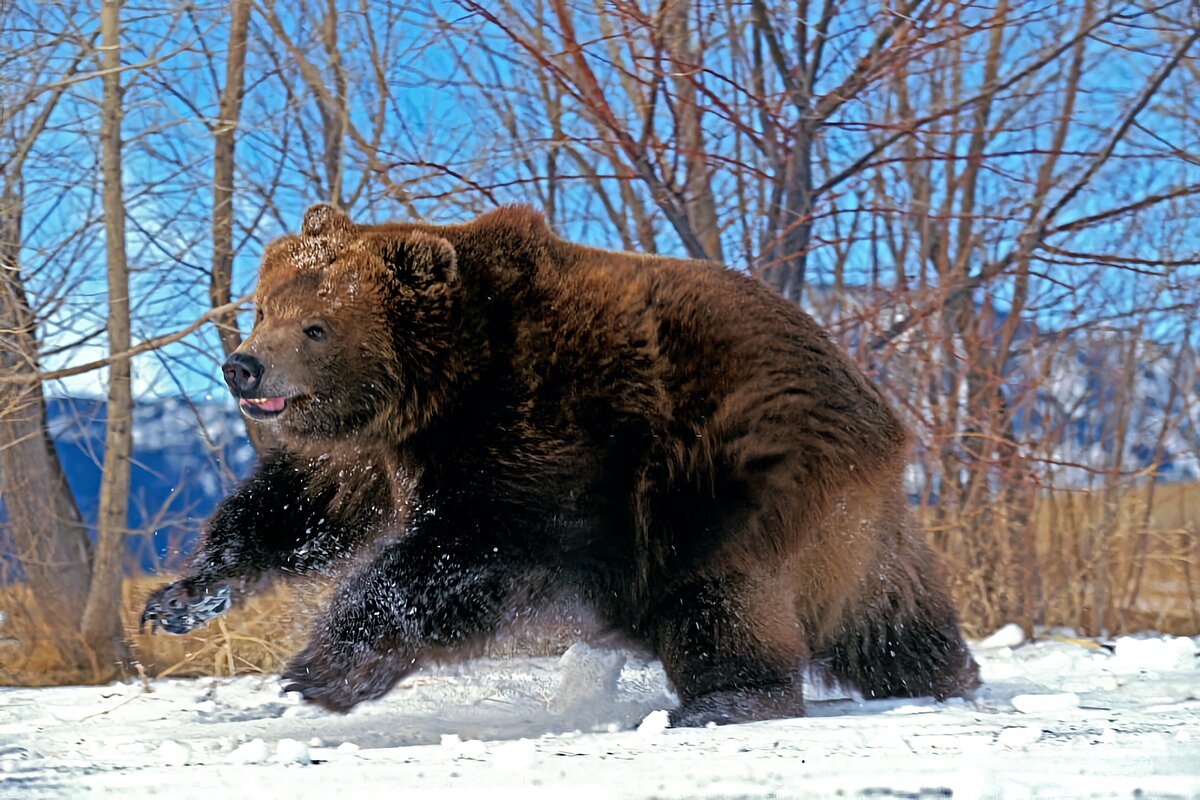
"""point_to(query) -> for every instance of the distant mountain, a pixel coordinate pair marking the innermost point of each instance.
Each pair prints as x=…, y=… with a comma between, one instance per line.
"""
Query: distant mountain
x=1076, y=398
x=186, y=457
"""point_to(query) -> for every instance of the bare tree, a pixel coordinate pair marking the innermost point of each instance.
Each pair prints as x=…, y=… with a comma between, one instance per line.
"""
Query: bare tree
x=48, y=532
x=224, y=133
x=101, y=623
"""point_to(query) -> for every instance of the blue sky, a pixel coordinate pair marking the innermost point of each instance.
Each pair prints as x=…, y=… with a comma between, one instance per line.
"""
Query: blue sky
x=168, y=152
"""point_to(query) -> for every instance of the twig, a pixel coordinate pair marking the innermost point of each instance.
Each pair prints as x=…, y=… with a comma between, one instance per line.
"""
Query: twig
x=142, y=347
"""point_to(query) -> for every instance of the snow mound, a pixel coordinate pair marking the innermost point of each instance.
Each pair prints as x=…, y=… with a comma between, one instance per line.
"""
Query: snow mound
x=1011, y=635
x=254, y=751
x=1168, y=653
x=655, y=723
x=292, y=751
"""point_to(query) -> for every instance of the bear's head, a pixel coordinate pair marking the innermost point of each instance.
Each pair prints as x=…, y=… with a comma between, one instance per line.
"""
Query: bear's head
x=354, y=331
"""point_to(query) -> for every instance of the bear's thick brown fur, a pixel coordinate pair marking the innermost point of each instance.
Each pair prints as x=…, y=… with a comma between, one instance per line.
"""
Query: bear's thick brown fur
x=495, y=417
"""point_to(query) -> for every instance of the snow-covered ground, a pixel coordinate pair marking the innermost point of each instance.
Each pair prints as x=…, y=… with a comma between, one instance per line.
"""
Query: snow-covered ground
x=1058, y=717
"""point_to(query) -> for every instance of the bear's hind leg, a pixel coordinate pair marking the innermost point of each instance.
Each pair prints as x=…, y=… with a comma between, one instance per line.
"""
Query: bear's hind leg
x=734, y=651
x=904, y=640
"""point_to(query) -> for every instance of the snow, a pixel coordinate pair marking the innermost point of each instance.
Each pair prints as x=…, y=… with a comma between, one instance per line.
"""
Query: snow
x=1043, y=703
x=1010, y=635
x=1058, y=716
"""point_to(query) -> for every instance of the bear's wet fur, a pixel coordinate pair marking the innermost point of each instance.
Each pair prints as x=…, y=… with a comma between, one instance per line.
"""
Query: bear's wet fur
x=487, y=416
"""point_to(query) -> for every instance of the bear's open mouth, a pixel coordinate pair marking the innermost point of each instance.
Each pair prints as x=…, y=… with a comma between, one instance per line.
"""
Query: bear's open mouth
x=262, y=407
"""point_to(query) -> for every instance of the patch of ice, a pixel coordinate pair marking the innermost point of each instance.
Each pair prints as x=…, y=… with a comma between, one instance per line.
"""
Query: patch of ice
x=655, y=723
x=291, y=751
x=1011, y=635
x=254, y=751
x=1045, y=703
x=1166, y=653
x=589, y=675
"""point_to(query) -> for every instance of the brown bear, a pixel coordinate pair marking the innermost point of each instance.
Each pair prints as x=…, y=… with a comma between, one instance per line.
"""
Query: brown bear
x=491, y=417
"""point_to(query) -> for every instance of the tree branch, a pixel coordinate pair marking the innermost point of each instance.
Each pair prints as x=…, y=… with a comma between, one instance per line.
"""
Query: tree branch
x=154, y=343
x=1123, y=128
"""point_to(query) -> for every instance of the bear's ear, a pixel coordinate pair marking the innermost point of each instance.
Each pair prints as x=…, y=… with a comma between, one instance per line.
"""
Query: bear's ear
x=421, y=256
x=326, y=221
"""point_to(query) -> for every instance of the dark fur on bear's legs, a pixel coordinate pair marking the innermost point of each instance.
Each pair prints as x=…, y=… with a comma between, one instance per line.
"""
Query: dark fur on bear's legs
x=424, y=597
x=732, y=648
x=904, y=641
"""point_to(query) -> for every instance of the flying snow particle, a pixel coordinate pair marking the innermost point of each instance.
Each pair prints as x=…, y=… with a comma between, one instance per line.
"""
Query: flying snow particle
x=254, y=751
x=1010, y=635
x=655, y=723
x=291, y=751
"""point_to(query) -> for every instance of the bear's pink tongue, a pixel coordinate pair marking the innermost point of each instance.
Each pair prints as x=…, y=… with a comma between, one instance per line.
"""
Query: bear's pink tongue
x=265, y=403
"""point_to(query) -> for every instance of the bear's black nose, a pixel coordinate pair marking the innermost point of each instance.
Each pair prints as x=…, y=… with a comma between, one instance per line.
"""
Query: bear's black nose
x=242, y=373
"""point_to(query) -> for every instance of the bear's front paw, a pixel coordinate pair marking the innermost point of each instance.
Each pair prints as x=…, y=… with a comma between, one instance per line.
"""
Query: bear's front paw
x=181, y=606
x=340, y=677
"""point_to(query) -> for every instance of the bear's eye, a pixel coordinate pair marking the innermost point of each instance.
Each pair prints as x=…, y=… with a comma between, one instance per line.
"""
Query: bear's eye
x=315, y=331
x=258, y=315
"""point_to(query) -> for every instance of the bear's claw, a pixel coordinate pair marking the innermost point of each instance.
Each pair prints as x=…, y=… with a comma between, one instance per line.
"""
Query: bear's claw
x=180, y=608
x=341, y=680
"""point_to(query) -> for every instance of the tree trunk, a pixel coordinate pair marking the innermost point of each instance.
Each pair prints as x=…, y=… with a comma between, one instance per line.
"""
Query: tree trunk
x=334, y=115
x=794, y=232
x=47, y=530
x=220, y=288
x=698, y=198
x=789, y=219
x=101, y=625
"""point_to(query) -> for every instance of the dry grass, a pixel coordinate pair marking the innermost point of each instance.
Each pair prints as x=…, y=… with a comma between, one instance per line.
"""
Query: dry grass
x=1114, y=561
x=257, y=638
